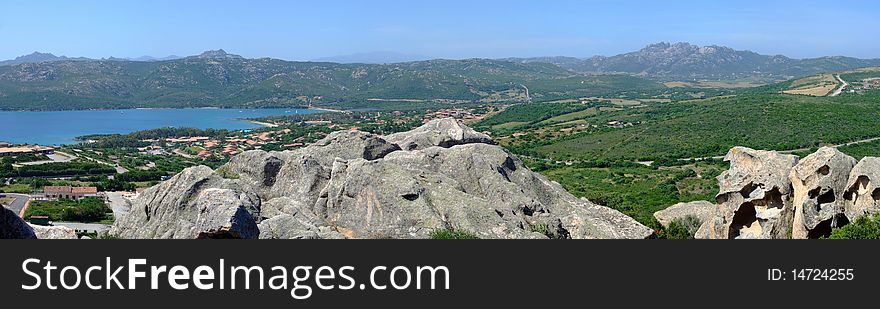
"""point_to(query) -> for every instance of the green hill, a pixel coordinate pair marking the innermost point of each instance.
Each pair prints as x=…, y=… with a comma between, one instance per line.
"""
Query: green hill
x=226, y=81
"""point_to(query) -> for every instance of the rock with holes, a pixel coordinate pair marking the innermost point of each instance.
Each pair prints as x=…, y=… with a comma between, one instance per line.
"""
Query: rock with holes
x=863, y=189
x=197, y=203
x=818, y=183
x=754, y=196
x=446, y=132
x=13, y=227
x=351, y=184
x=701, y=210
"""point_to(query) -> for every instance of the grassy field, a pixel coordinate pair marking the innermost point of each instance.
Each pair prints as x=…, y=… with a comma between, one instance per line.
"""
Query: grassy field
x=16, y=188
x=84, y=210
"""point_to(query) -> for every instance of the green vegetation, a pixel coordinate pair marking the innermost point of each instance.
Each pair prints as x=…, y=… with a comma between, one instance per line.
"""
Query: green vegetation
x=450, y=234
x=531, y=113
x=72, y=168
x=84, y=210
x=684, y=228
x=861, y=150
x=639, y=191
x=252, y=83
x=865, y=227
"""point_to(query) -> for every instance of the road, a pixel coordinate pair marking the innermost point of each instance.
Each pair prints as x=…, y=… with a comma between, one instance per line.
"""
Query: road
x=19, y=202
x=843, y=85
x=120, y=205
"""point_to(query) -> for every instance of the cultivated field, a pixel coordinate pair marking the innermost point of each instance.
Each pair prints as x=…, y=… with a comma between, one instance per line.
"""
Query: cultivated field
x=818, y=85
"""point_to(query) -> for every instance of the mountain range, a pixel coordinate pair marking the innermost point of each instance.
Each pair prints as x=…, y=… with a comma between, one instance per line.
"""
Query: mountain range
x=684, y=61
x=219, y=79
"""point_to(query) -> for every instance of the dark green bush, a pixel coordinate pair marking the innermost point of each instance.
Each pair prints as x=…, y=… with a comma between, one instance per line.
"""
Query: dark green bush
x=863, y=228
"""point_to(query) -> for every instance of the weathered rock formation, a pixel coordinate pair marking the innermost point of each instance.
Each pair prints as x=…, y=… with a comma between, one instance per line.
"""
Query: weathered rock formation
x=818, y=181
x=754, y=196
x=769, y=195
x=863, y=189
x=54, y=232
x=353, y=184
x=13, y=227
x=702, y=210
x=197, y=203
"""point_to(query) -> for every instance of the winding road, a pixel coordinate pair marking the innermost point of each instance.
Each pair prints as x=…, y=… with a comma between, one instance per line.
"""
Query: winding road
x=843, y=85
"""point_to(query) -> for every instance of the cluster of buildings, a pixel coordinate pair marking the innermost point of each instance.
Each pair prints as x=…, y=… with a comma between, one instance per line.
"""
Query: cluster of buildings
x=7, y=149
x=457, y=113
x=68, y=192
x=867, y=84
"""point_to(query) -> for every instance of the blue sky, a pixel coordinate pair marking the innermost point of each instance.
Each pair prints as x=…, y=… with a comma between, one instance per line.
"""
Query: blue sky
x=304, y=30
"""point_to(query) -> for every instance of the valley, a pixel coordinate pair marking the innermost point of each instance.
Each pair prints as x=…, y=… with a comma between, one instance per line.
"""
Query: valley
x=633, y=142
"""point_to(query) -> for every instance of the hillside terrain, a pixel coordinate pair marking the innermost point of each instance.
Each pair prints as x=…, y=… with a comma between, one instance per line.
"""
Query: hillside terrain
x=219, y=79
x=687, y=62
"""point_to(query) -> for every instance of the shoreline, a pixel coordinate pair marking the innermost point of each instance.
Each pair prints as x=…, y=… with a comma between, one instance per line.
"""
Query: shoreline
x=261, y=123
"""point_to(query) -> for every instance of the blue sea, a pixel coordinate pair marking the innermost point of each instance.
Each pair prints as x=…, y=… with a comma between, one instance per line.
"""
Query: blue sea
x=62, y=127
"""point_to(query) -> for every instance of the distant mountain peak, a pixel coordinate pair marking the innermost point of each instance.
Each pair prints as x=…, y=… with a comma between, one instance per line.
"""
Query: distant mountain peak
x=36, y=57
x=218, y=54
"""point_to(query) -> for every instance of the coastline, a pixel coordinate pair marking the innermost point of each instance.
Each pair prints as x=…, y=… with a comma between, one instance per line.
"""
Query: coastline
x=264, y=124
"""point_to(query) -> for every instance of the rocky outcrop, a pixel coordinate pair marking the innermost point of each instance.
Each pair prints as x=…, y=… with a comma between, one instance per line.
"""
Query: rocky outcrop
x=818, y=181
x=754, y=198
x=863, y=189
x=197, y=203
x=13, y=227
x=701, y=210
x=765, y=194
x=53, y=232
x=353, y=184
x=443, y=132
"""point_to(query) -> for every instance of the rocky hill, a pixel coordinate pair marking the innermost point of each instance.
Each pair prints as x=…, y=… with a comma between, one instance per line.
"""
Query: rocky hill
x=352, y=184
x=684, y=61
x=37, y=57
x=769, y=195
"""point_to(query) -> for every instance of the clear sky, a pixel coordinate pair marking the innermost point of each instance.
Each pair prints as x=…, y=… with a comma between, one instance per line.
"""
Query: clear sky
x=305, y=29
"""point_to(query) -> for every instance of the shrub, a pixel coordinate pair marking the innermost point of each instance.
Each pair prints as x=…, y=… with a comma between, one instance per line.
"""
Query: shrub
x=863, y=228
x=450, y=234
x=683, y=228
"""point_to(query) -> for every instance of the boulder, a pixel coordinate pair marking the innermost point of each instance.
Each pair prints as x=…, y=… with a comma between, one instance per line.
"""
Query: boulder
x=14, y=227
x=54, y=232
x=818, y=182
x=446, y=132
x=701, y=210
x=352, y=184
x=863, y=189
x=754, y=196
x=197, y=203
